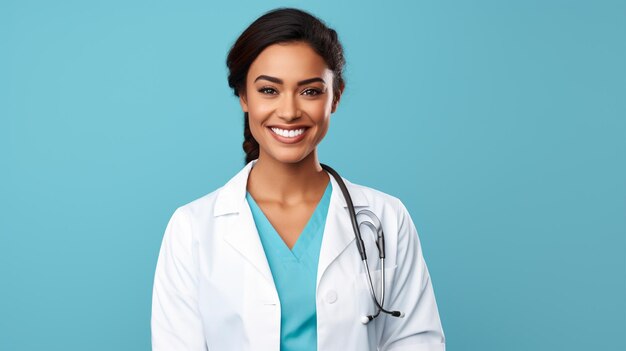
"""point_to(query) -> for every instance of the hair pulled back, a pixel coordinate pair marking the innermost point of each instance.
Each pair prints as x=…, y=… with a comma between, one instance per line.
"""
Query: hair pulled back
x=281, y=25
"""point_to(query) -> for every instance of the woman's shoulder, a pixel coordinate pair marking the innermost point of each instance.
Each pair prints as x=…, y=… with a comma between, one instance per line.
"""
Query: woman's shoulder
x=202, y=205
x=378, y=200
x=221, y=199
x=373, y=194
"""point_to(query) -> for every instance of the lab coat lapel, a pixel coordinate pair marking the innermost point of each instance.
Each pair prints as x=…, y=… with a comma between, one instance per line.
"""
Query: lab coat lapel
x=338, y=232
x=243, y=236
x=242, y=233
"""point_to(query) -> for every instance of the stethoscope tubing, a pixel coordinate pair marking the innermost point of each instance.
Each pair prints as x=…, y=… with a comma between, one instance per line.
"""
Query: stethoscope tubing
x=380, y=244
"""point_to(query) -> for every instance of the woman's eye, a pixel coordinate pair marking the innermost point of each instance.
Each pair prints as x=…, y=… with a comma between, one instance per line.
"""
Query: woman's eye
x=266, y=90
x=313, y=92
x=272, y=91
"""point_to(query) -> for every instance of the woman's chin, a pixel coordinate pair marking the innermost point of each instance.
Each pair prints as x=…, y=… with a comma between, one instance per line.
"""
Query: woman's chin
x=288, y=156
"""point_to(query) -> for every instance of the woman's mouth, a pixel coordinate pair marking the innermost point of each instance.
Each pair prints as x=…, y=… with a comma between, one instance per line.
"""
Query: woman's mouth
x=288, y=136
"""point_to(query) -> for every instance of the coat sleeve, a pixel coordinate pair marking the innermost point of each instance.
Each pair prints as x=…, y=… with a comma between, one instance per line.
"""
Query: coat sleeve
x=412, y=293
x=176, y=322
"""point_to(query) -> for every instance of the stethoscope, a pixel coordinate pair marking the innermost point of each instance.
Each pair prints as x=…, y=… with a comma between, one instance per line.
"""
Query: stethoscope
x=377, y=228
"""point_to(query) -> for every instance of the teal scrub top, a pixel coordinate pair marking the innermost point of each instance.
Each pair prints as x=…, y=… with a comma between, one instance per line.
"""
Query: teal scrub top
x=295, y=274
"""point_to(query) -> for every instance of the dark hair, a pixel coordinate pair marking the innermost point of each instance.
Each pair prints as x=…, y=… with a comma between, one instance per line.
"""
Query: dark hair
x=281, y=25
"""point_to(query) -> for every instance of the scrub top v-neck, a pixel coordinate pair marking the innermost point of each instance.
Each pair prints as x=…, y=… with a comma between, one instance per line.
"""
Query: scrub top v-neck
x=295, y=274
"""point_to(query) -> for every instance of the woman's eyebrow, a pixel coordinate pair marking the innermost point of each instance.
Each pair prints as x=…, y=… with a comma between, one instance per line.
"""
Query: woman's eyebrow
x=280, y=81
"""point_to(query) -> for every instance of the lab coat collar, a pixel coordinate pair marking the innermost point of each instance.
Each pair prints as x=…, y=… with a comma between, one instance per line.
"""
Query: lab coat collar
x=338, y=233
x=232, y=195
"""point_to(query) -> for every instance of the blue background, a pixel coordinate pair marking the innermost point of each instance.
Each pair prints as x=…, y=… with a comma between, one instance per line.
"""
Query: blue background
x=501, y=125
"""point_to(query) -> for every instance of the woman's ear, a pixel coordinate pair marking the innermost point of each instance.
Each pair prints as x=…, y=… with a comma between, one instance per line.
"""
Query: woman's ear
x=243, y=101
x=336, y=99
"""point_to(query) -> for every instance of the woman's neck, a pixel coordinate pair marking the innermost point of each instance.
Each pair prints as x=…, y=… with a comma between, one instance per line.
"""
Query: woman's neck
x=287, y=183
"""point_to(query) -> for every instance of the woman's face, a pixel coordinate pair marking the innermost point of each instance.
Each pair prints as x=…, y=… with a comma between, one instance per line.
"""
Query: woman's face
x=289, y=100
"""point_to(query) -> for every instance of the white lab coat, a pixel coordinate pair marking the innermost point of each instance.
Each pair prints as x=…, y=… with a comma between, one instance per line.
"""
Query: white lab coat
x=213, y=288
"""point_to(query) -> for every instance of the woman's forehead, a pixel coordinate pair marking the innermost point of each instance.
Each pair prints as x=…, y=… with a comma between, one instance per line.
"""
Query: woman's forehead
x=290, y=62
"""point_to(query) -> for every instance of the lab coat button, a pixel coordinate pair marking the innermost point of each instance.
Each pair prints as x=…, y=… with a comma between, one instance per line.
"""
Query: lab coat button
x=331, y=296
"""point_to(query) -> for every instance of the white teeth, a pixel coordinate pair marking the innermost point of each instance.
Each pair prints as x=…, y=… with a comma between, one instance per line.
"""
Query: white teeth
x=288, y=133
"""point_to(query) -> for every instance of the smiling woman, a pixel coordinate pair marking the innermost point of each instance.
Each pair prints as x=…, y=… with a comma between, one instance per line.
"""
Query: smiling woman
x=272, y=260
x=289, y=116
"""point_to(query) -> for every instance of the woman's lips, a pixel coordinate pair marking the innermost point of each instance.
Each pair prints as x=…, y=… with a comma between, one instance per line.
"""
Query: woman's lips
x=287, y=140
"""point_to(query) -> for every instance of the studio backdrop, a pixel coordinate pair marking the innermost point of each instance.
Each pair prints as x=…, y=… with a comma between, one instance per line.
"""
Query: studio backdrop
x=500, y=124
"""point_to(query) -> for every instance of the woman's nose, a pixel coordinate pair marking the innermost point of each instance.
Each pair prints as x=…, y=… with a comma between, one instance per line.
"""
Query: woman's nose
x=288, y=108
